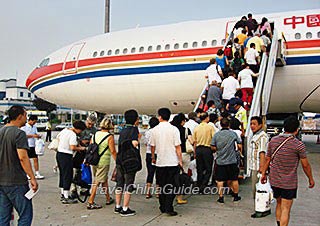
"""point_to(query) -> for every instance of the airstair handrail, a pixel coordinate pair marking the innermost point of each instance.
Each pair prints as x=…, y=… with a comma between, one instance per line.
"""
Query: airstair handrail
x=200, y=97
x=270, y=73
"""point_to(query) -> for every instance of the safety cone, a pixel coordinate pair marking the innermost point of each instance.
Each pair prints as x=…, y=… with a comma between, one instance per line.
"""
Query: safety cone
x=318, y=139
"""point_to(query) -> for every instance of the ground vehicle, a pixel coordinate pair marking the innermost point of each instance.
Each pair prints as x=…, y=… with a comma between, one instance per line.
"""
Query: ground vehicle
x=42, y=118
x=63, y=126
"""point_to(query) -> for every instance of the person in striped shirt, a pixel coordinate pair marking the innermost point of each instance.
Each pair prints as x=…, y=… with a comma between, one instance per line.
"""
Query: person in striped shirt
x=283, y=156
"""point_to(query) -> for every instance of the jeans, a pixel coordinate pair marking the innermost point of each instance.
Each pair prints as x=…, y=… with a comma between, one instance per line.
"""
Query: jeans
x=13, y=197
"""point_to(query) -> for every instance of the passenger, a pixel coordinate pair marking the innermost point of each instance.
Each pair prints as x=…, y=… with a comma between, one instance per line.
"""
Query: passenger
x=213, y=109
x=202, y=137
x=251, y=57
x=214, y=72
x=264, y=26
x=185, y=134
x=257, y=153
x=229, y=87
x=246, y=85
x=259, y=45
x=242, y=36
x=235, y=127
x=165, y=141
x=228, y=51
x=241, y=113
x=284, y=183
x=250, y=35
x=214, y=94
x=151, y=168
x=32, y=135
x=199, y=111
x=100, y=172
x=14, y=168
x=251, y=24
x=213, y=119
x=265, y=39
x=125, y=181
x=68, y=144
x=191, y=124
x=223, y=62
x=241, y=24
x=237, y=64
x=236, y=47
x=223, y=143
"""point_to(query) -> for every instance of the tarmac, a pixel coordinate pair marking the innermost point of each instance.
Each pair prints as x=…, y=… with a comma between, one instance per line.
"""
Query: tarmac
x=200, y=210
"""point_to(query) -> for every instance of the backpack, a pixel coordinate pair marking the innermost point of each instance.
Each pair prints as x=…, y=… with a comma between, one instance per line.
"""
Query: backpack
x=237, y=65
x=129, y=157
x=92, y=154
x=228, y=52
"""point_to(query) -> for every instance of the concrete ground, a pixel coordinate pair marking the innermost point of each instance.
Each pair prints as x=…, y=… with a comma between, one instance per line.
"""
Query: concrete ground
x=200, y=210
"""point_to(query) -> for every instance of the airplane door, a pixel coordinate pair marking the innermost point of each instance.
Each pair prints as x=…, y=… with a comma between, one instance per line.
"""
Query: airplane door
x=70, y=65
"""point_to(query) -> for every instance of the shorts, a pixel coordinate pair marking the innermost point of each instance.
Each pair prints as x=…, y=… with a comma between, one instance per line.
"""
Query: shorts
x=100, y=173
x=284, y=193
x=32, y=153
x=227, y=172
x=125, y=181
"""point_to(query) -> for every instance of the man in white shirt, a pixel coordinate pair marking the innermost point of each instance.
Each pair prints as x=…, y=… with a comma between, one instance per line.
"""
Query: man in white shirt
x=229, y=87
x=191, y=123
x=251, y=57
x=165, y=140
x=32, y=134
x=214, y=72
x=246, y=85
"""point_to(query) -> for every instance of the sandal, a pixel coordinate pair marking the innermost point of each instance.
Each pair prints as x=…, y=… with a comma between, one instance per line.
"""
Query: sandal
x=111, y=200
x=148, y=196
x=93, y=206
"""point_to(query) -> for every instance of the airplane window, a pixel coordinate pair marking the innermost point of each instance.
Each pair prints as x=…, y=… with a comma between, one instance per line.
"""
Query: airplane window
x=133, y=50
x=297, y=36
x=102, y=53
x=167, y=47
x=195, y=44
x=44, y=63
x=319, y=34
x=95, y=54
x=150, y=48
x=117, y=51
x=158, y=47
x=204, y=43
x=214, y=43
x=176, y=46
x=223, y=41
x=125, y=51
x=109, y=52
x=185, y=45
x=309, y=35
x=141, y=49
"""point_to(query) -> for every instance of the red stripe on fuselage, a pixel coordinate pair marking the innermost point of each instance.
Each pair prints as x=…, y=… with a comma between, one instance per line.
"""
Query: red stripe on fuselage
x=303, y=44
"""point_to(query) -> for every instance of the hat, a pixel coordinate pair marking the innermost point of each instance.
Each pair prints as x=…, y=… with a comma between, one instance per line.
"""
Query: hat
x=235, y=101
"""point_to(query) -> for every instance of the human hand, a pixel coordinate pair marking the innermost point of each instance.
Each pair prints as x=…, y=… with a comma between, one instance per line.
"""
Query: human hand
x=311, y=183
x=34, y=184
x=263, y=178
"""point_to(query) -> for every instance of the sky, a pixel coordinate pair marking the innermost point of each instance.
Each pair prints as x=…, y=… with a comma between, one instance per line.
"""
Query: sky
x=32, y=29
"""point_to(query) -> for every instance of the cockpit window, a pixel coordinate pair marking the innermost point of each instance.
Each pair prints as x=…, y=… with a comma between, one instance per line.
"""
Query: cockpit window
x=44, y=63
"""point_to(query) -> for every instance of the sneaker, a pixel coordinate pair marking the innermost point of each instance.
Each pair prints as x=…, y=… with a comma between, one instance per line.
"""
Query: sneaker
x=73, y=195
x=221, y=200
x=69, y=201
x=93, y=206
x=55, y=169
x=117, y=210
x=236, y=199
x=61, y=197
x=182, y=201
x=127, y=213
x=39, y=176
x=171, y=214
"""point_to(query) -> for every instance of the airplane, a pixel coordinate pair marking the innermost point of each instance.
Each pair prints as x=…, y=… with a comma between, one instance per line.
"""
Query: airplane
x=164, y=66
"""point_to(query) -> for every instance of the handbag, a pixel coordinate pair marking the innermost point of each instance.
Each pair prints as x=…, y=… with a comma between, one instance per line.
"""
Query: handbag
x=189, y=147
x=86, y=173
x=54, y=144
x=39, y=147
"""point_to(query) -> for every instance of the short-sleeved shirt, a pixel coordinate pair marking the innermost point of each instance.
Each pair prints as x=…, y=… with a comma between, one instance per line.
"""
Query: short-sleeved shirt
x=251, y=56
x=66, y=138
x=165, y=138
x=214, y=93
x=11, y=171
x=191, y=124
x=257, y=41
x=221, y=61
x=129, y=132
x=203, y=134
x=30, y=130
x=224, y=141
x=106, y=157
x=230, y=86
x=242, y=37
x=258, y=144
x=213, y=73
x=245, y=77
x=283, y=167
x=241, y=115
x=88, y=133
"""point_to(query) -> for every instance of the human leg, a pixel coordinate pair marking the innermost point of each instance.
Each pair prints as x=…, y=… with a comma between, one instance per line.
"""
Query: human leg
x=286, y=205
x=208, y=161
x=6, y=207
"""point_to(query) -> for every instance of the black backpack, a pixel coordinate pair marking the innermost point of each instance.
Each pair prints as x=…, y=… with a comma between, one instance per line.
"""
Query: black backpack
x=129, y=157
x=92, y=153
x=237, y=65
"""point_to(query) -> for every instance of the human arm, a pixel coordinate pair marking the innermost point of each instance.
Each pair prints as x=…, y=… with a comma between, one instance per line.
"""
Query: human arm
x=26, y=165
x=264, y=169
x=112, y=147
x=179, y=154
x=307, y=171
x=153, y=157
x=262, y=157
